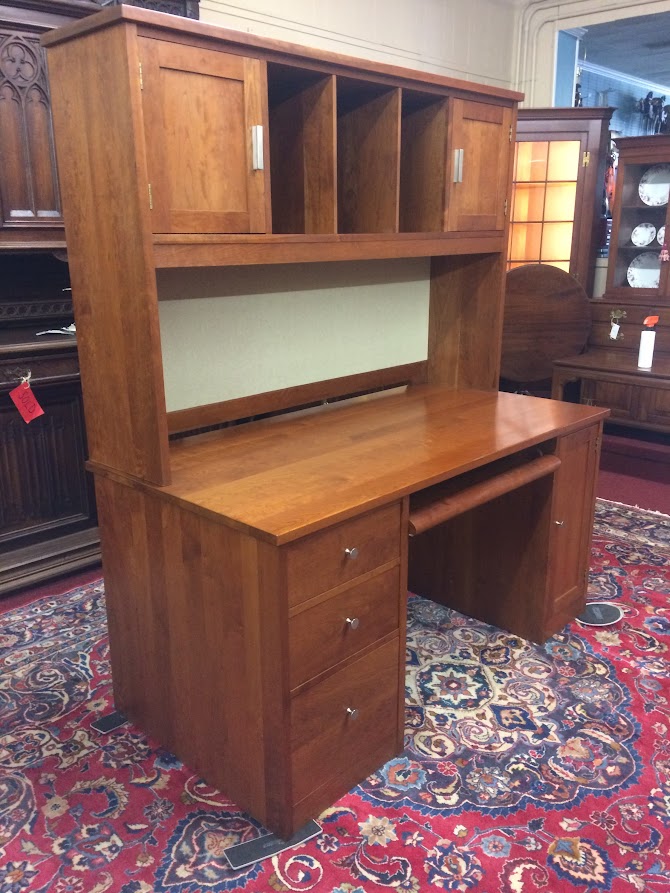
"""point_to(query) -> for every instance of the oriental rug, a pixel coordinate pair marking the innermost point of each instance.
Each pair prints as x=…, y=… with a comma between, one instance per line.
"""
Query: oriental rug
x=527, y=768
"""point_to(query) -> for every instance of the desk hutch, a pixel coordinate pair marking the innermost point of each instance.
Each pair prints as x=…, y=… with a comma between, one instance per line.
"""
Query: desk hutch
x=256, y=572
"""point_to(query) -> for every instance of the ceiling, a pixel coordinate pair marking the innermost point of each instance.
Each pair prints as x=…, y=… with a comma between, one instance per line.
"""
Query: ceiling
x=639, y=47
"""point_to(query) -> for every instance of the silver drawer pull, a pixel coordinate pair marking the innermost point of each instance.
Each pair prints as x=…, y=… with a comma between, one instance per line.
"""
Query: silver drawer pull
x=351, y=553
x=352, y=713
x=353, y=622
x=559, y=523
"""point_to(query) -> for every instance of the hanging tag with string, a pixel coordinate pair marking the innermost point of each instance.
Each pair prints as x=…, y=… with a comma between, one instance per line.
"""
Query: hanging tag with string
x=25, y=401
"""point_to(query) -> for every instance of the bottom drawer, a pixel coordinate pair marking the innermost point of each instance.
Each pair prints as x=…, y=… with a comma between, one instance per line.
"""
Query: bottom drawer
x=329, y=743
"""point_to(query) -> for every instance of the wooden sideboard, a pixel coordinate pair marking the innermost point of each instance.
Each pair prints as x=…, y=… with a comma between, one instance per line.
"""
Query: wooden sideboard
x=256, y=573
x=48, y=522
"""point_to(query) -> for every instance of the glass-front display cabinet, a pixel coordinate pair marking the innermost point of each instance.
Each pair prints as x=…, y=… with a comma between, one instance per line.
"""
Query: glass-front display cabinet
x=557, y=197
x=637, y=271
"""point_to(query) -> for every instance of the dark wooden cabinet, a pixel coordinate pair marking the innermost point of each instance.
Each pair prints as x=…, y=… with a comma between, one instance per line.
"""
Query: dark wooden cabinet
x=48, y=521
x=558, y=190
x=638, y=285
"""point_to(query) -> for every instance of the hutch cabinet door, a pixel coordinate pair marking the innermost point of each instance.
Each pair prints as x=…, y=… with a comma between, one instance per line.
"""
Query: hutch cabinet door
x=481, y=145
x=200, y=107
x=28, y=182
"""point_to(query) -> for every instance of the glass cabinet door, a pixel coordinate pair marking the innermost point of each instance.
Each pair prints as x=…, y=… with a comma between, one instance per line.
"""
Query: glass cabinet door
x=543, y=202
x=640, y=234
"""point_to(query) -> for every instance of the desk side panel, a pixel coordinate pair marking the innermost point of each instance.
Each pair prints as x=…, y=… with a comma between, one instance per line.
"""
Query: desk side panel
x=191, y=640
x=465, y=321
x=95, y=95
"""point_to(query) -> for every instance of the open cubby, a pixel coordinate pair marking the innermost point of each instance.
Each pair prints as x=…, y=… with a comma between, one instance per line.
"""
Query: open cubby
x=301, y=108
x=368, y=156
x=423, y=162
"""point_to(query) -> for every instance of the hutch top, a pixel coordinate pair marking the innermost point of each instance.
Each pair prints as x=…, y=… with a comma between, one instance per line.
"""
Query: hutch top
x=216, y=148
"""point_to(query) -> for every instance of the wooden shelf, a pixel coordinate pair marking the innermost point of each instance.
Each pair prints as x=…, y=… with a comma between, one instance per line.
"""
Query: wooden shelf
x=368, y=157
x=186, y=251
x=302, y=150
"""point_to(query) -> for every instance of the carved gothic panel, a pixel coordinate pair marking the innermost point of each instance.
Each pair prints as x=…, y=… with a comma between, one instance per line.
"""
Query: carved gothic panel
x=28, y=178
x=42, y=476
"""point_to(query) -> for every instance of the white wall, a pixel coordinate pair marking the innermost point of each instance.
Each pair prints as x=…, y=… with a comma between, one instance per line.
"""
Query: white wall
x=535, y=41
x=469, y=39
x=245, y=330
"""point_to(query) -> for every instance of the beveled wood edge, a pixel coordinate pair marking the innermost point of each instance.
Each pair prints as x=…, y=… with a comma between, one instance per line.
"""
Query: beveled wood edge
x=27, y=240
x=178, y=251
x=345, y=662
x=600, y=360
x=286, y=398
x=328, y=594
x=569, y=114
x=197, y=28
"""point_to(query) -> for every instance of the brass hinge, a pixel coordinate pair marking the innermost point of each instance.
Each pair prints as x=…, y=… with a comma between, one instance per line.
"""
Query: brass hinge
x=141, y=78
x=505, y=207
x=586, y=158
x=151, y=198
x=510, y=133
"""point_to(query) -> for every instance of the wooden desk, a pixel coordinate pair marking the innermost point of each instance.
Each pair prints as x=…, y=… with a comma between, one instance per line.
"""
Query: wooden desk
x=610, y=377
x=257, y=603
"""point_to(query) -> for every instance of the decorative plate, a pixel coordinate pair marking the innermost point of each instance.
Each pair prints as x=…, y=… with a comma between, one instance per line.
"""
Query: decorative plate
x=660, y=235
x=643, y=234
x=644, y=271
x=654, y=185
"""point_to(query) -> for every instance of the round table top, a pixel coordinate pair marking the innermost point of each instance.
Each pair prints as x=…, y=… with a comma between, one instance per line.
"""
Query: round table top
x=547, y=317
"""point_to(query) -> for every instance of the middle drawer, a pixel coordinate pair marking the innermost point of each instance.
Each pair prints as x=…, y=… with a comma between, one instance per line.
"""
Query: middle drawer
x=332, y=630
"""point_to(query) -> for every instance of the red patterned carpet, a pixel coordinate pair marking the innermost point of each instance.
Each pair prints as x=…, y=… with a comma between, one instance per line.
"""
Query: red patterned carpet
x=526, y=769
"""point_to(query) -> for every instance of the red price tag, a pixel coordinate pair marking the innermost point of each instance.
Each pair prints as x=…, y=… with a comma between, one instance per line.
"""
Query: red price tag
x=26, y=402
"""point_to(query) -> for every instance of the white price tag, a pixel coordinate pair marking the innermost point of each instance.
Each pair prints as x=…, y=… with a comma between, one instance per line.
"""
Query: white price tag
x=614, y=331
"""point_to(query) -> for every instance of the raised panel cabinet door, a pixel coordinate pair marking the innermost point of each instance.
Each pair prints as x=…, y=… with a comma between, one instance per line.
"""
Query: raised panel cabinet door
x=480, y=147
x=28, y=181
x=46, y=489
x=573, y=507
x=617, y=396
x=654, y=407
x=200, y=109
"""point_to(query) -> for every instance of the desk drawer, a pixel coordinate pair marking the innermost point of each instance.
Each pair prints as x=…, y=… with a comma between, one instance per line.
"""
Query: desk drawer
x=327, y=742
x=321, y=561
x=333, y=630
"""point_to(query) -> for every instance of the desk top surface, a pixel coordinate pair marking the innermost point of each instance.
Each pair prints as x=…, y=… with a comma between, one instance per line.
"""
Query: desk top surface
x=286, y=476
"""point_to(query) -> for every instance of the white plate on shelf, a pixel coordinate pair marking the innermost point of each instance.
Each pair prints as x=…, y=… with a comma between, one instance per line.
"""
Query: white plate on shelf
x=660, y=235
x=654, y=187
x=644, y=271
x=643, y=234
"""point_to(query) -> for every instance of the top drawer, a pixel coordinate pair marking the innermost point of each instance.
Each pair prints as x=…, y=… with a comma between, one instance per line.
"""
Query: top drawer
x=342, y=553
